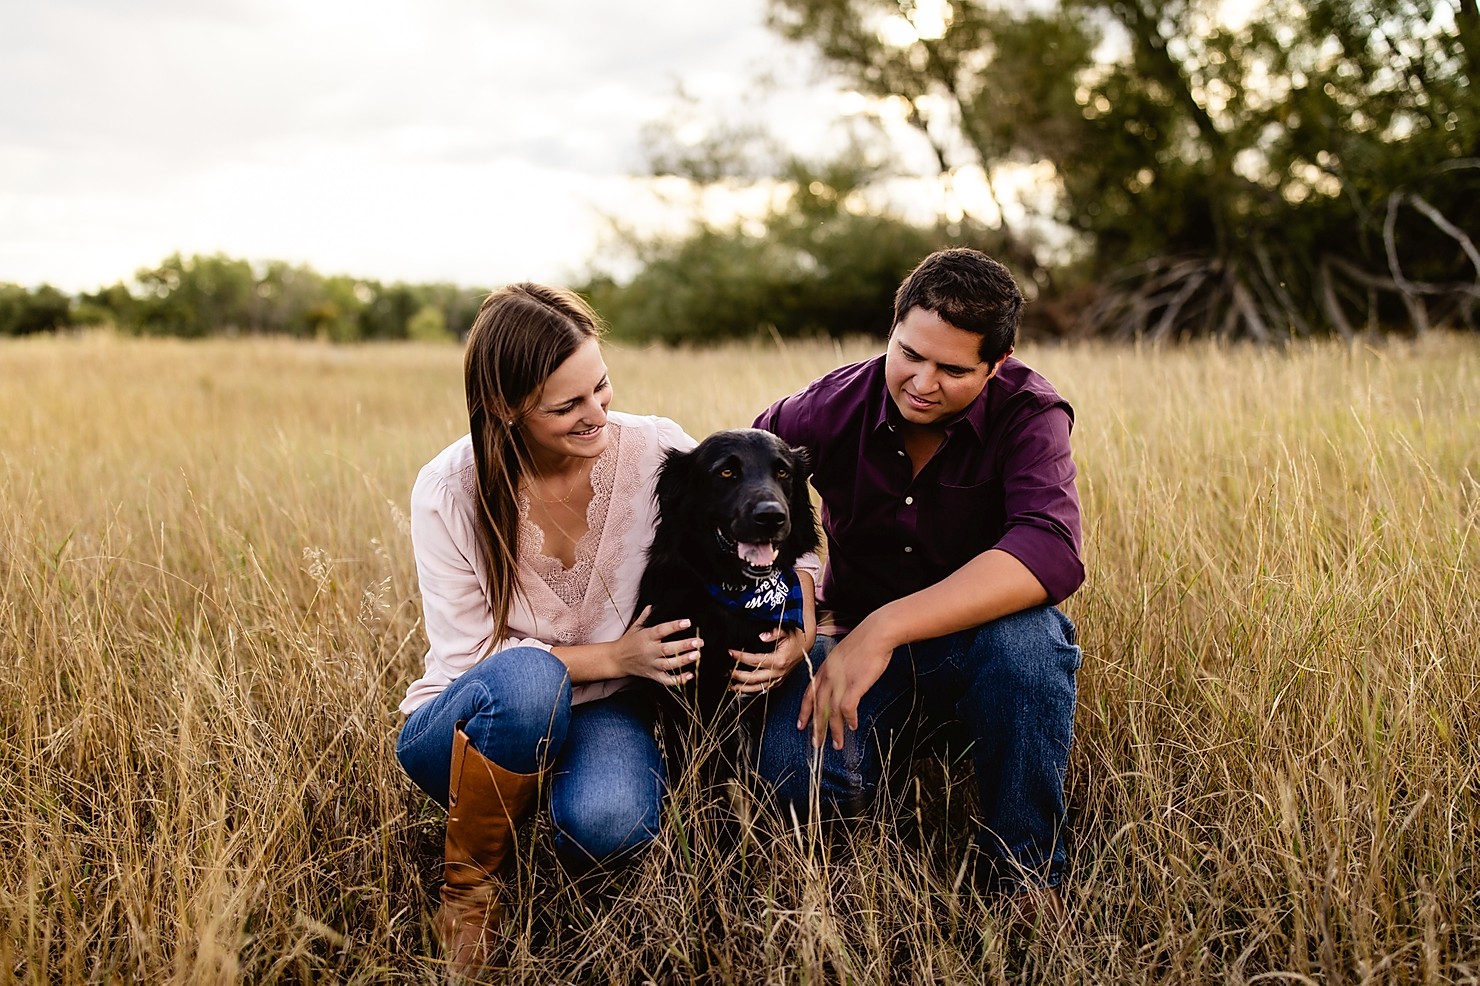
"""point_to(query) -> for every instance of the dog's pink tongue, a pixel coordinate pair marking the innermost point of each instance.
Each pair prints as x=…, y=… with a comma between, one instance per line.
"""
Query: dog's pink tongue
x=761, y=555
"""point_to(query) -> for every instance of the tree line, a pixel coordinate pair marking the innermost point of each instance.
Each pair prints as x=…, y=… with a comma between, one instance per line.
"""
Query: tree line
x=203, y=295
x=1312, y=170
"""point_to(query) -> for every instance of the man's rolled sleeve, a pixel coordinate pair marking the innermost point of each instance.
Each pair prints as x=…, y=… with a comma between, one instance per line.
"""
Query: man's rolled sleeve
x=1043, y=525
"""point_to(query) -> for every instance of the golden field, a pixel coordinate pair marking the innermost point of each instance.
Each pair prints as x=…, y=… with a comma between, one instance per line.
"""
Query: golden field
x=208, y=612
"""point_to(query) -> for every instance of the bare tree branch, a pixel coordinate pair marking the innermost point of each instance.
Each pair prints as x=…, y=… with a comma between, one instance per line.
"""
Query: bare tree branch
x=1437, y=218
x=1332, y=304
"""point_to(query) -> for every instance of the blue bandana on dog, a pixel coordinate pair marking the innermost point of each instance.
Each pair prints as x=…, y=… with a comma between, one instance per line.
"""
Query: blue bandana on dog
x=775, y=600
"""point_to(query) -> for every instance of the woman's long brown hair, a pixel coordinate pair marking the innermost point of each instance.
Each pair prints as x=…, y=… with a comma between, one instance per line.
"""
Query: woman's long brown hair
x=521, y=334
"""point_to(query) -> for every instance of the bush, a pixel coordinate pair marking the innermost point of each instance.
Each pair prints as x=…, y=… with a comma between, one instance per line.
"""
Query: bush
x=24, y=312
x=816, y=270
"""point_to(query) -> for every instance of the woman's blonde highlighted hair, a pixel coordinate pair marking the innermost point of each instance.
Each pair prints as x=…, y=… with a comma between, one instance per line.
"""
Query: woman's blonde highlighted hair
x=521, y=334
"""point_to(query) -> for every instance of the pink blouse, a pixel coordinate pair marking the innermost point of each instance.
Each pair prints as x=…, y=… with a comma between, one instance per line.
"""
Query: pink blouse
x=590, y=602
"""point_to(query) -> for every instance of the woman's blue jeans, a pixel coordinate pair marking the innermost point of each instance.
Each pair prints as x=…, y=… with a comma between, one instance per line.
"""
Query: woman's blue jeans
x=1010, y=683
x=606, y=778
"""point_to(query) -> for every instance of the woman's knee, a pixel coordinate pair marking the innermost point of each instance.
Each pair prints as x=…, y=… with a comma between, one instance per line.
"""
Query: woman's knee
x=614, y=828
x=523, y=709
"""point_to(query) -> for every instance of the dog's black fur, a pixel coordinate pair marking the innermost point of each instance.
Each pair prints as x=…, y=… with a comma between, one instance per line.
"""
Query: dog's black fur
x=719, y=505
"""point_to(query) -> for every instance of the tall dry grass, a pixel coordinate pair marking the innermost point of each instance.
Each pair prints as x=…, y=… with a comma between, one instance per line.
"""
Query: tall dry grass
x=208, y=612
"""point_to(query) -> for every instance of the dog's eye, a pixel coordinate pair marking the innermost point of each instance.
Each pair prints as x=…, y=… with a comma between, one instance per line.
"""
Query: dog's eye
x=727, y=474
x=783, y=473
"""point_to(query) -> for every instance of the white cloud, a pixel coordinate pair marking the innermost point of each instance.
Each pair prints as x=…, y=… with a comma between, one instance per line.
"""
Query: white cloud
x=451, y=139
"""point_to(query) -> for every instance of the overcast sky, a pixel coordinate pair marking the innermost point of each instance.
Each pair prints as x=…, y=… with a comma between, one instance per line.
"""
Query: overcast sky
x=475, y=141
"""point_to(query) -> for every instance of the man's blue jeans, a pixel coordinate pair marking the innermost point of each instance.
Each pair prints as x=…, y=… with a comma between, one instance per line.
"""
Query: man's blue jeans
x=1009, y=682
x=606, y=779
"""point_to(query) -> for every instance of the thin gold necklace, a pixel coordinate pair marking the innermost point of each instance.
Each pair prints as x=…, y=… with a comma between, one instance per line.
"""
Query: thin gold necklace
x=560, y=499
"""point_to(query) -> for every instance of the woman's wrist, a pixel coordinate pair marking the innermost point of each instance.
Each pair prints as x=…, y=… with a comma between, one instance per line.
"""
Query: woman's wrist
x=590, y=662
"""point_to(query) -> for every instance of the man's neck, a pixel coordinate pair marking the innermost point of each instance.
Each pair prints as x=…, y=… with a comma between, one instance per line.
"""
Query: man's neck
x=920, y=443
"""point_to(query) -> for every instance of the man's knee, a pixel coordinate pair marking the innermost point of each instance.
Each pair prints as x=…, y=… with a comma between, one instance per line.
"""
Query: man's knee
x=1028, y=651
x=797, y=776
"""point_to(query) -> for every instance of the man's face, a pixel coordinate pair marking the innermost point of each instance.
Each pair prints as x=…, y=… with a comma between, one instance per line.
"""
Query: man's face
x=933, y=369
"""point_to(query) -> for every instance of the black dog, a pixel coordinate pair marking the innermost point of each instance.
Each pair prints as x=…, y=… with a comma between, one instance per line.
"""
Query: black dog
x=733, y=517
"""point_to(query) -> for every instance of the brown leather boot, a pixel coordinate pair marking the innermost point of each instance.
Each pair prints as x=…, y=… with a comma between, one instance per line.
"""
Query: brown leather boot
x=1040, y=912
x=484, y=803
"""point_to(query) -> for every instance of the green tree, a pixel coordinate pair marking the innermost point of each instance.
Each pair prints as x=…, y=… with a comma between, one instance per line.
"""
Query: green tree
x=429, y=324
x=26, y=312
x=285, y=298
x=113, y=305
x=819, y=263
x=201, y=296
x=458, y=305
x=335, y=315
x=1223, y=177
x=197, y=296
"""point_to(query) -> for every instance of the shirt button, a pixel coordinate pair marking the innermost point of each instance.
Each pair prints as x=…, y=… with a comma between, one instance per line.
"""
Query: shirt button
x=908, y=500
x=908, y=549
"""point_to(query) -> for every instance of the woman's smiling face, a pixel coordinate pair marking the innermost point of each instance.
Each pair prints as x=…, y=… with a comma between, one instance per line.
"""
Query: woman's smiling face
x=569, y=417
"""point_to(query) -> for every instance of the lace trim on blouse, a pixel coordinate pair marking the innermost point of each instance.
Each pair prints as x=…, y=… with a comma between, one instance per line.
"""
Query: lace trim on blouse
x=569, y=603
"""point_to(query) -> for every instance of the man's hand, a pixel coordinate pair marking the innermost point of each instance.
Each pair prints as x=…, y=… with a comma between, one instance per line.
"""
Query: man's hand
x=992, y=585
x=851, y=669
x=792, y=646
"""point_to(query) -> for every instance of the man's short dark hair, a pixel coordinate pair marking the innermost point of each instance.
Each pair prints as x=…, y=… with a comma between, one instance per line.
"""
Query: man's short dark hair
x=969, y=290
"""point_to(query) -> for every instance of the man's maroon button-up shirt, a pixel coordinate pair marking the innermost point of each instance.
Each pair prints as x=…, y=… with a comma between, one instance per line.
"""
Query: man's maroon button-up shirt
x=1003, y=478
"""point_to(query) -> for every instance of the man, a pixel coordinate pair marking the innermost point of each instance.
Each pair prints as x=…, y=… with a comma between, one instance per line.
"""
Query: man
x=953, y=527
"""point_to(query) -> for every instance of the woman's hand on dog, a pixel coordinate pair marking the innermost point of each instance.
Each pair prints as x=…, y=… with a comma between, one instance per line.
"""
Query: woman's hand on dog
x=642, y=651
x=792, y=646
x=762, y=672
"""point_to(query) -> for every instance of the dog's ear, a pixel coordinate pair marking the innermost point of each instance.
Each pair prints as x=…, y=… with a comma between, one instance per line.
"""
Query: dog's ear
x=804, y=536
x=801, y=462
x=673, y=478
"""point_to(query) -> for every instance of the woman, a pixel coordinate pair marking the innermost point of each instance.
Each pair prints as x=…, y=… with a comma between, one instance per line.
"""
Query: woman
x=530, y=536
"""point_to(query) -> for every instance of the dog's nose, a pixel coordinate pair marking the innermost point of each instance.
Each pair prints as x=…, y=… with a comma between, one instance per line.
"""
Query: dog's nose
x=769, y=513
